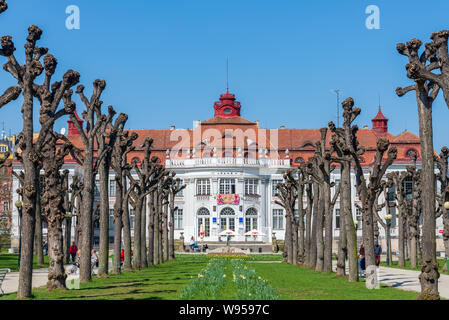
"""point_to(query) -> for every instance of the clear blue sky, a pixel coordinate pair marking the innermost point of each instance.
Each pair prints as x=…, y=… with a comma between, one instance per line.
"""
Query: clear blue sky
x=165, y=60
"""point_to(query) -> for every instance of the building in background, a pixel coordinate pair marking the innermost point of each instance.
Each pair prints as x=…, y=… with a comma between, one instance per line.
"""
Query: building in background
x=7, y=144
x=231, y=166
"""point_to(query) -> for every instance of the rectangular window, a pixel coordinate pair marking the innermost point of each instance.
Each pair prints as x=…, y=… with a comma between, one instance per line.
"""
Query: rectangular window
x=227, y=186
x=408, y=188
x=251, y=186
x=278, y=218
x=178, y=219
x=390, y=194
x=203, y=187
x=5, y=206
x=112, y=187
x=274, y=190
x=111, y=219
x=337, y=218
x=131, y=218
x=3, y=149
x=97, y=187
x=181, y=182
x=358, y=217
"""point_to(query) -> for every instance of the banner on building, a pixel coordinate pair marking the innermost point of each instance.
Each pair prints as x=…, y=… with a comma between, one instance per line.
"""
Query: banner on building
x=228, y=198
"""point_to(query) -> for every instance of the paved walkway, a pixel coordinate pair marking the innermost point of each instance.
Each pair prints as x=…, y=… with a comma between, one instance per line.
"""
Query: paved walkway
x=407, y=279
x=40, y=277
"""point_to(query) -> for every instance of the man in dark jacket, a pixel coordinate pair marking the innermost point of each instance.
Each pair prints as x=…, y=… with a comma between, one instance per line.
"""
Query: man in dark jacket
x=377, y=253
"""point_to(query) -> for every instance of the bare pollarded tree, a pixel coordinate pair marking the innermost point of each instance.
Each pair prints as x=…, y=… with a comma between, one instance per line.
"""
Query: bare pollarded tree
x=323, y=161
x=340, y=141
x=398, y=179
x=414, y=211
x=175, y=188
x=121, y=148
x=89, y=167
x=106, y=140
x=443, y=197
x=368, y=191
x=287, y=199
x=149, y=175
x=53, y=205
x=49, y=95
x=426, y=92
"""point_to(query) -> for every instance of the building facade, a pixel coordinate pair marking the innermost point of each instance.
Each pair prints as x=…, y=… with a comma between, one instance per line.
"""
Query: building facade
x=230, y=167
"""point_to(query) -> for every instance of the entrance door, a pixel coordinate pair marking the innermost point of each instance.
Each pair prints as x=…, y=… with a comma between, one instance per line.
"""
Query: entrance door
x=203, y=218
x=227, y=219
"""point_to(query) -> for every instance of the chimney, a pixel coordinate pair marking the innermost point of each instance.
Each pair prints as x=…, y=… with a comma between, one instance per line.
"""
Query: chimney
x=172, y=127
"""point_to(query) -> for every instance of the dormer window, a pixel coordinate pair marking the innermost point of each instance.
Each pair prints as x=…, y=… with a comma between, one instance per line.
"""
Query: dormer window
x=409, y=153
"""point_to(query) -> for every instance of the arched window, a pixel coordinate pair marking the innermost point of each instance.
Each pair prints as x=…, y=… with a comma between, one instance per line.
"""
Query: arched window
x=227, y=219
x=136, y=159
x=203, y=218
x=299, y=160
x=203, y=211
x=250, y=219
x=308, y=145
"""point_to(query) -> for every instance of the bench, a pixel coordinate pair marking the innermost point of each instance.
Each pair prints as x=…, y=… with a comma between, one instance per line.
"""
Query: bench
x=3, y=273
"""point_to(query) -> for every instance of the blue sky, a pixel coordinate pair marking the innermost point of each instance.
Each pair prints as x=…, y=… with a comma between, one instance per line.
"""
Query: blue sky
x=165, y=60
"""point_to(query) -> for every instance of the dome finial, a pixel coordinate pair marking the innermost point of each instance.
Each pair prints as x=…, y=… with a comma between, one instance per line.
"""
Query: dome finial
x=227, y=75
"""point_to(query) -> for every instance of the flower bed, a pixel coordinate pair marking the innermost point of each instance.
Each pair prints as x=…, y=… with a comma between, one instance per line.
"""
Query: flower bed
x=249, y=285
x=208, y=283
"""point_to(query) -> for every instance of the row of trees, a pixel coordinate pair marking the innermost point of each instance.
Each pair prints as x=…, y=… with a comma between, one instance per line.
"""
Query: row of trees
x=105, y=144
x=308, y=238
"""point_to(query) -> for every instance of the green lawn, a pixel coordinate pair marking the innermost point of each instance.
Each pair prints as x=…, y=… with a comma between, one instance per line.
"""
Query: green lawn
x=299, y=283
x=8, y=260
x=163, y=281
x=167, y=280
x=394, y=264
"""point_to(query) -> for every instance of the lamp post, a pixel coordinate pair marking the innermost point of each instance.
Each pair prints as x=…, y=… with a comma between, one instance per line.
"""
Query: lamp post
x=388, y=218
x=18, y=205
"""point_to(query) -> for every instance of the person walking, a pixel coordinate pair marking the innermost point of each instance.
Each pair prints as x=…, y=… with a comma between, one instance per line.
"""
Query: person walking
x=94, y=258
x=377, y=253
x=362, y=260
x=45, y=247
x=73, y=250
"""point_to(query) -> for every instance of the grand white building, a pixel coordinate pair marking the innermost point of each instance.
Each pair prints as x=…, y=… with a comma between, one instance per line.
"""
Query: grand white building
x=231, y=166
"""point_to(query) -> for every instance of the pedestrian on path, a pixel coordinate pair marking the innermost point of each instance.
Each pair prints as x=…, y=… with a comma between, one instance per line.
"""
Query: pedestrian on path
x=377, y=253
x=362, y=260
x=73, y=250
